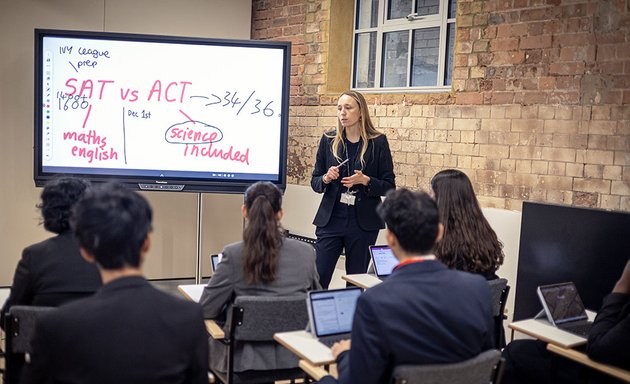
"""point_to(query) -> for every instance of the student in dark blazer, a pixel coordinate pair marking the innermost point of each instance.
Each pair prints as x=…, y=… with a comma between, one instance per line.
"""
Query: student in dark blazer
x=353, y=169
x=129, y=331
x=53, y=272
x=424, y=312
x=265, y=263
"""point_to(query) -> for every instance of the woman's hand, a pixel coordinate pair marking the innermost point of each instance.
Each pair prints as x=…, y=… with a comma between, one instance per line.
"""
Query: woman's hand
x=332, y=174
x=357, y=178
x=623, y=285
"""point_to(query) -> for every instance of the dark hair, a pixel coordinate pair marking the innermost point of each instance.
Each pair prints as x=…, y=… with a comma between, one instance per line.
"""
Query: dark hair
x=58, y=198
x=469, y=243
x=112, y=224
x=413, y=218
x=262, y=236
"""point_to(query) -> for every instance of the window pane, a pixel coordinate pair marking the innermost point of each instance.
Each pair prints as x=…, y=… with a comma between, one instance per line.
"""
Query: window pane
x=367, y=13
x=426, y=51
x=395, y=51
x=452, y=9
x=365, y=60
x=450, y=43
x=398, y=9
x=427, y=7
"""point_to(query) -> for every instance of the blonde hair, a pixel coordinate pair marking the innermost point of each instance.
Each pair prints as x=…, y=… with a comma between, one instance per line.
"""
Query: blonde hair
x=367, y=128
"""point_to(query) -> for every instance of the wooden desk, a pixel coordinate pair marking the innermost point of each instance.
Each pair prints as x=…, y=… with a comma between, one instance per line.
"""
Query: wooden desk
x=214, y=329
x=362, y=280
x=541, y=329
x=581, y=358
x=306, y=347
x=317, y=372
x=191, y=292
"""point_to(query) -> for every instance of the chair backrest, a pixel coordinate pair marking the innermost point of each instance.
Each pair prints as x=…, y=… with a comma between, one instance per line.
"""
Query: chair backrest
x=499, y=291
x=497, y=286
x=258, y=318
x=21, y=327
x=481, y=369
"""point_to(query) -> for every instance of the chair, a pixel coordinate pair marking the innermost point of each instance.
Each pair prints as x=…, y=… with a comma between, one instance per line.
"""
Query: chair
x=499, y=290
x=482, y=369
x=256, y=319
x=19, y=327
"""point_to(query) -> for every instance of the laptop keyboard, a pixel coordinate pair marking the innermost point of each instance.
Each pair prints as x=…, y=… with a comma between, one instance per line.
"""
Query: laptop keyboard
x=330, y=340
x=580, y=329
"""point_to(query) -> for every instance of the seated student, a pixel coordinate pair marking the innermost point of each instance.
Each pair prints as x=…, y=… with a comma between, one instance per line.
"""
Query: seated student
x=265, y=263
x=424, y=313
x=528, y=361
x=469, y=243
x=53, y=272
x=128, y=331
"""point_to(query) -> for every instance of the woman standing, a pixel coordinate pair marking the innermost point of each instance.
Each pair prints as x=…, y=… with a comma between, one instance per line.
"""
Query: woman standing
x=469, y=243
x=353, y=169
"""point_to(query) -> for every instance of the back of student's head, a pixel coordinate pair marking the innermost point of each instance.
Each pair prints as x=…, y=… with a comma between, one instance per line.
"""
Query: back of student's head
x=469, y=243
x=58, y=198
x=262, y=236
x=413, y=218
x=112, y=224
x=454, y=192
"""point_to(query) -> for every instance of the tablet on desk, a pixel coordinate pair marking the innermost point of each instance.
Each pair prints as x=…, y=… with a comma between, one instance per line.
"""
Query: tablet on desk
x=564, y=308
x=383, y=260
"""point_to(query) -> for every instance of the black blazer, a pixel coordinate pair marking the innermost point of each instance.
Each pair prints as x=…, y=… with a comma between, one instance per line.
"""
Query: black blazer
x=127, y=332
x=51, y=273
x=609, y=337
x=378, y=166
x=424, y=313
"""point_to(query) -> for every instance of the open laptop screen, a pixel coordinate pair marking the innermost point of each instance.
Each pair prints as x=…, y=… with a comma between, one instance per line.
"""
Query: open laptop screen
x=562, y=303
x=332, y=310
x=383, y=259
x=215, y=260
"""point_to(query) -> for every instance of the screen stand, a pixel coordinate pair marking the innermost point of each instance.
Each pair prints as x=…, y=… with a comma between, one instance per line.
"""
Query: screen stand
x=541, y=315
x=199, y=238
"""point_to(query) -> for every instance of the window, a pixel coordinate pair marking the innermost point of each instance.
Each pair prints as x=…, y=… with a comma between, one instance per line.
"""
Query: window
x=402, y=45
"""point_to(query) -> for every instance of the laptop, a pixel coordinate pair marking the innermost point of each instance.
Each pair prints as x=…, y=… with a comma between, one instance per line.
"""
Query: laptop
x=383, y=260
x=564, y=308
x=215, y=260
x=330, y=313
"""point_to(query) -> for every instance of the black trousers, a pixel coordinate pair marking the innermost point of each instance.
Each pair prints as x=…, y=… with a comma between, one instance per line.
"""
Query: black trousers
x=342, y=232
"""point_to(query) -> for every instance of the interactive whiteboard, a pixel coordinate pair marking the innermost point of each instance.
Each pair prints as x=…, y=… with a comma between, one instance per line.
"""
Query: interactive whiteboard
x=158, y=112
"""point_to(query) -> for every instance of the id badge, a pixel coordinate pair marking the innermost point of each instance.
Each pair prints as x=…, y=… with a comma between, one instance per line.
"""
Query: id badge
x=347, y=198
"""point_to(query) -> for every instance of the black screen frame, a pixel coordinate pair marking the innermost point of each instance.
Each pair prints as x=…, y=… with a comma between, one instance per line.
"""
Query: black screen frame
x=207, y=184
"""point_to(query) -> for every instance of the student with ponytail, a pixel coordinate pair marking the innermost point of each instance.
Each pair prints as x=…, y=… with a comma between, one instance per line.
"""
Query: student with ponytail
x=265, y=263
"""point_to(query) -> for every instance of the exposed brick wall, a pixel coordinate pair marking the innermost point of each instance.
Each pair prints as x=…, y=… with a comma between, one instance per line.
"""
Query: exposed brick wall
x=539, y=110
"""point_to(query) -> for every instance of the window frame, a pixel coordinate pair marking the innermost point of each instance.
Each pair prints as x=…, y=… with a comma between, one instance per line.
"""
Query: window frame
x=383, y=26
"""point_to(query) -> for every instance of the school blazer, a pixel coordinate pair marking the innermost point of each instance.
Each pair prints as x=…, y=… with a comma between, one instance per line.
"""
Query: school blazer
x=423, y=313
x=126, y=333
x=378, y=166
x=296, y=274
x=51, y=273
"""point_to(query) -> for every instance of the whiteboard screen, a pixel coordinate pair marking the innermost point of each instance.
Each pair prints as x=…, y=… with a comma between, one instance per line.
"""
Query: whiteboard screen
x=153, y=110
